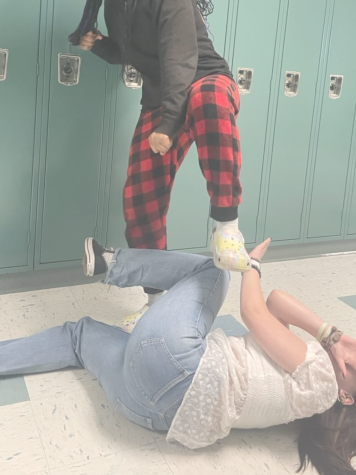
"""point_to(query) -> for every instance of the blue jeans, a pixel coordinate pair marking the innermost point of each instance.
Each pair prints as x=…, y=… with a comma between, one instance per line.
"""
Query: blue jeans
x=145, y=374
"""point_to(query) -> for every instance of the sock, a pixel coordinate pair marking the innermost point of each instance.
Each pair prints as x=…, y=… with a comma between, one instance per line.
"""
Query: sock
x=108, y=257
x=222, y=225
x=152, y=298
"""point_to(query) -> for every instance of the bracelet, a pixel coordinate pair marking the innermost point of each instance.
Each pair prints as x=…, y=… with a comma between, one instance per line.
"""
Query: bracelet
x=253, y=266
x=254, y=259
x=329, y=341
x=324, y=331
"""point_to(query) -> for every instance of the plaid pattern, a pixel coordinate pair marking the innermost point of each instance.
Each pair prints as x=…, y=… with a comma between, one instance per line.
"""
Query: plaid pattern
x=210, y=122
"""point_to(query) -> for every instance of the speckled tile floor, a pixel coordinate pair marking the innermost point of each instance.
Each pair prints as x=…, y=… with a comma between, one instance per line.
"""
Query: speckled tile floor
x=61, y=423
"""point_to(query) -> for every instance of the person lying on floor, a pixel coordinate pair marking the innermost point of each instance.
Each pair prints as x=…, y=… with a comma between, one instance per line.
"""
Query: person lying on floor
x=172, y=374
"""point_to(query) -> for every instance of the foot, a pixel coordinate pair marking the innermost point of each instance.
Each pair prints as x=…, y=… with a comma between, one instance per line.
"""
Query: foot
x=128, y=323
x=228, y=248
x=96, y=258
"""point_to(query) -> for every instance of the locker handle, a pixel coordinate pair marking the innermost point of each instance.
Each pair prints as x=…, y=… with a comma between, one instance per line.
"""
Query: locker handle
x=244, y=80
x=335, y=86
x=132, y=78
x=69, y=69
x=291, y=83
x=4, y=57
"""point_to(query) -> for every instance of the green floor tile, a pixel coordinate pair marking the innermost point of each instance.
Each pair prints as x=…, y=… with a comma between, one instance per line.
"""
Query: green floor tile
x=12, y=390
x=349, y=300
x=229, y=325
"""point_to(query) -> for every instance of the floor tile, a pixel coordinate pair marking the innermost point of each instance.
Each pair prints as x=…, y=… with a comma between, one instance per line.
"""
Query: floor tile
x=242, y=453
x=229, y=325
x=5, y=333
x=349, y=300
x=21, y=450
x=282, y=442
x=24, y=321
x=38, y=297
x=13, y=390
x=145, y=460
x=81, y=425
x=59, y=382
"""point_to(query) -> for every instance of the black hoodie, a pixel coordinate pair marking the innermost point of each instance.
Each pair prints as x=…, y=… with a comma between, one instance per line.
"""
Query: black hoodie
x=171, y=49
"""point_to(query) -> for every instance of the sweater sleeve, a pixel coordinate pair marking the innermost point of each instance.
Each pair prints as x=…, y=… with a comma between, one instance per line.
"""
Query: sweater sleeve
x=178, y=54
x=107, y=50
x=312, y=388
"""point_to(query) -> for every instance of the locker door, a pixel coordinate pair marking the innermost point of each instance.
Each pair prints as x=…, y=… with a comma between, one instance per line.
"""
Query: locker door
x=19, y=35
x=335, y=133
x=73, y=148
x=302, y=48
x=189, y=207
x=352, y=219
x=256, y=19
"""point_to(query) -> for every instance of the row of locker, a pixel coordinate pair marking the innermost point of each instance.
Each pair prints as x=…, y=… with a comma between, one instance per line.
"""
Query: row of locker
x=64, y=149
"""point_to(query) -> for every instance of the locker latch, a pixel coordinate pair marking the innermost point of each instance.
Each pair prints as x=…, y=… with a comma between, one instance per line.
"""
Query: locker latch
x=291, y=83
x=335, y=86
x=4, y=56
x=244, y=80
x=132, y=78
x=69, y=69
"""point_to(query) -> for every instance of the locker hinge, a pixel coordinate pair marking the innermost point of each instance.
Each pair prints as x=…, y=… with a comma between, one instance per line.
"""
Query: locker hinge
x=28, y=239
x=37, y=69
x=106, y=73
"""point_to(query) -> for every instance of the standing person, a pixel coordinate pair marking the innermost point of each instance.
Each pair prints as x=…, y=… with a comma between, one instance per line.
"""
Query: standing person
x=173, y=374
x=189, y=95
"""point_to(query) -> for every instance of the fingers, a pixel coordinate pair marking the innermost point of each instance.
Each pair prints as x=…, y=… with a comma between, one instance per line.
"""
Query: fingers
x=88, y=40
x=341, y=364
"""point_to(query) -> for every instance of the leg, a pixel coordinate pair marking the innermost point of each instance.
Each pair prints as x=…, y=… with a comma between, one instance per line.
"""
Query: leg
x=149, y=183
x=169, y=341
x=147, y=193
x=213, y=106
x=88, y=344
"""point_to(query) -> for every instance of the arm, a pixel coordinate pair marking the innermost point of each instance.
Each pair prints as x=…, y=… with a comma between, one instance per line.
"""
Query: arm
x=290, y=311
x=281, y=345
x=178, y=53
x=108, y=50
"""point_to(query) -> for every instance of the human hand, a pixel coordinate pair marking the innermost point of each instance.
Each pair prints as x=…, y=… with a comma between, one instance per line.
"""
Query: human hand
x=260, y=249
x=87, y=41
x=160, y=143
x=344, y=353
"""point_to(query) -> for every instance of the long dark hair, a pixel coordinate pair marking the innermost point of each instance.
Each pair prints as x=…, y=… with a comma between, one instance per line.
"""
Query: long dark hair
x=92, y=7
x=328, y=441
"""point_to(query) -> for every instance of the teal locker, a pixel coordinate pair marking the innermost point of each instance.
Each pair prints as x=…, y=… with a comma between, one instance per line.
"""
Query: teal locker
x=336, y=128
x=251, y=53
x=189, y=208
x=72, y=148
x=352, y=218
x=127, y=113
x=288, y=167
x=19, y=34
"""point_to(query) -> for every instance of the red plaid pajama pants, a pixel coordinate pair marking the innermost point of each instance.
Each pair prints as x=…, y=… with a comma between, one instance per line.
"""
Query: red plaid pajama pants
x=211, y=123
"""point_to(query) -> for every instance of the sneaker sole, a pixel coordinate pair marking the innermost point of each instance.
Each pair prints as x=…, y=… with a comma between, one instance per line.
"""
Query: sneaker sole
x=88, y=258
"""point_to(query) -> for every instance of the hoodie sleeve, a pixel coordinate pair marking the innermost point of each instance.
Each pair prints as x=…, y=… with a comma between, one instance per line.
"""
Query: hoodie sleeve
x=107, y=50
x=178, y=54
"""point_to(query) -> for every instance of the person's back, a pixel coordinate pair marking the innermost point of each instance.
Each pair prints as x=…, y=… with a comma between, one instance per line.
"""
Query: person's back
x=237, y=385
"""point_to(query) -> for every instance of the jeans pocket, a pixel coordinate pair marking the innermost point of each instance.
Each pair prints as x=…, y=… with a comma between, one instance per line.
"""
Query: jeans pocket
x=155, y=370
x=132, y=416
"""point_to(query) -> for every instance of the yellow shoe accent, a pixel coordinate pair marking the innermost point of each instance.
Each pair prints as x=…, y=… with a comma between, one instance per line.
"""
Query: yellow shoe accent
x=128, y=323
x=228, y=248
